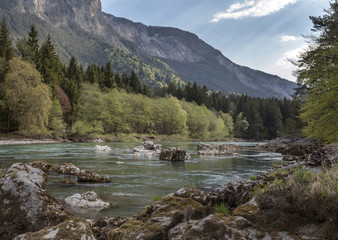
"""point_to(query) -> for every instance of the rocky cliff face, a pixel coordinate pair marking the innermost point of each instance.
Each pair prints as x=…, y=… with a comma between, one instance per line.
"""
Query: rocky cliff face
x=190, y=57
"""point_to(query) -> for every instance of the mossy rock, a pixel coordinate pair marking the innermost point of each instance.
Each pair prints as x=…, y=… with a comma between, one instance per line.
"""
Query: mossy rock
x=248, y=210
x=75, y=229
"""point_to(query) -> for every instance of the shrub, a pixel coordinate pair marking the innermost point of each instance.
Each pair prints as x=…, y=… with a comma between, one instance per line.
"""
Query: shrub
x=312, y=195
x=3, y=171
x=156, y=198
x=221, y=208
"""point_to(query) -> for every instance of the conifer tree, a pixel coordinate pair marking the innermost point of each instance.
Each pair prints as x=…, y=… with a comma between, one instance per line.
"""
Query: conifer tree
x=6, y=50
x=134, y=83
x=318, y=75
x=108, y=76
x=50, y=65
x=33, y=46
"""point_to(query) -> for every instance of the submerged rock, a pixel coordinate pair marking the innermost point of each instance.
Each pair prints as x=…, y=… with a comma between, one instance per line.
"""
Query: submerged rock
x=99, y=148
x=82, y=175
x=222, y=150
x=173, y=154
x=75, y=229
x=86, y=200
x=25, y=205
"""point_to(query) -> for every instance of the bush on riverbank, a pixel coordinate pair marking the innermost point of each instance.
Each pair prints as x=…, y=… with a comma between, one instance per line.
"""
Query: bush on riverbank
x=313, y=195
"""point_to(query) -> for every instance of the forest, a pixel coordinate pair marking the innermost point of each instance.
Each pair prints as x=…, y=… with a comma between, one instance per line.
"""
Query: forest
x=42, y=96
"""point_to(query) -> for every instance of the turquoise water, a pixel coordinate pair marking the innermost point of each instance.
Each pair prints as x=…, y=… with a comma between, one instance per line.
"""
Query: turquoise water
x=136, y=179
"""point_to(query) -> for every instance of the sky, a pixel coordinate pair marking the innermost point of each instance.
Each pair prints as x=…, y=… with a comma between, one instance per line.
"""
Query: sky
x=260, y=34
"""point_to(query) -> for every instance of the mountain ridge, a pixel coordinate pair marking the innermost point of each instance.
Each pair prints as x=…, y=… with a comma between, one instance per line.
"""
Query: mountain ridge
x=182, y=54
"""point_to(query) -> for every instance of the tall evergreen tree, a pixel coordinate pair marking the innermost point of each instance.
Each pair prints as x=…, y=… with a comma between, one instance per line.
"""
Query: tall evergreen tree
x=318, y=75
x=33, y=46
x=108, y=76
x=134, y=83
x=50, y=65
x=6, y=50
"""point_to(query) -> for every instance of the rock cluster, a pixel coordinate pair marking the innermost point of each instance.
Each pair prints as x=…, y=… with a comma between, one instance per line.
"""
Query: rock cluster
x=222, y=150
x=173, y=154
x=148, y=147
x=70, y=169
x=86, y=200
x=290, y=146
x=82, y=175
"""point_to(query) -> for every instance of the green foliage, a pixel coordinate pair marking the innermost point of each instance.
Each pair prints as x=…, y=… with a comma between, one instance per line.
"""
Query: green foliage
x=56, y=124
x=221, y=208
x=317, y=75
x=28, y=99
x=156, y=198
x=253, y=178
x=3, y=171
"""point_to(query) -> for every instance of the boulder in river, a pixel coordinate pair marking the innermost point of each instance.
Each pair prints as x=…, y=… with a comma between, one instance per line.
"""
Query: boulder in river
x=222, y=150
x=148, y=147
x=86, y=200
x=25, y=205
x=173, y=154
x=99, y=148
x=82, y=175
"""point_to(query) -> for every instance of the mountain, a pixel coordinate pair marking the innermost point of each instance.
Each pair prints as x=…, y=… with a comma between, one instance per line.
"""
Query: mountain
x=159, y=55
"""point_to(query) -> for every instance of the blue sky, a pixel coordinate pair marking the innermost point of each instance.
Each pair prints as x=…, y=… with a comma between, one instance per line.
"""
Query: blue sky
x=260, y=34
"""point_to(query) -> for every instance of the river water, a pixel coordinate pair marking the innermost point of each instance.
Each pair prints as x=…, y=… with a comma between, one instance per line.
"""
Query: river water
x=137, y=179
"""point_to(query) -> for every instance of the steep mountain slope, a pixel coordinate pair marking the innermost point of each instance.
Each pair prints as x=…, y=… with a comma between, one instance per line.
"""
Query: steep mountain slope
x=158, y=54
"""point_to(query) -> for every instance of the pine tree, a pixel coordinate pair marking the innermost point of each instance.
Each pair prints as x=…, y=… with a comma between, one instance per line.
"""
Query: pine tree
x=134, y=83
x=108, y=76
x=318, y=76
x=50, y=65
x=6, y=50
x=33, y=46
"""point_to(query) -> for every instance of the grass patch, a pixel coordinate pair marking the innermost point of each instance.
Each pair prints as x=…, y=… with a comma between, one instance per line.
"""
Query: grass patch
x=253, y=178
x=312, y=195
x=221, y=208
x=156, y=198
x=3, y=171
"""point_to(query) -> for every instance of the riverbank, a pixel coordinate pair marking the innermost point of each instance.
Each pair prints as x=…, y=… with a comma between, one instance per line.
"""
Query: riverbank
x=17, y=139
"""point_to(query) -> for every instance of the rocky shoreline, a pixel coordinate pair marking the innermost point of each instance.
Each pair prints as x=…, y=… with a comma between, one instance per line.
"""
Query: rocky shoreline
x=236, y=210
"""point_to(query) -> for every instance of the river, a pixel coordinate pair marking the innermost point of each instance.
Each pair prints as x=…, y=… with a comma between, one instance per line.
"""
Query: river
x=137, y=179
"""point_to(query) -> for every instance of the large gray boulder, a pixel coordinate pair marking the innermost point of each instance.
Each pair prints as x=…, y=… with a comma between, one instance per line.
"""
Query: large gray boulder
x=25, y=205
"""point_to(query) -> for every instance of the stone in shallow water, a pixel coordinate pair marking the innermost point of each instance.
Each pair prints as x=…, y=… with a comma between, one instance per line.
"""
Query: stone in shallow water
x=99, y=148
x=86, y=200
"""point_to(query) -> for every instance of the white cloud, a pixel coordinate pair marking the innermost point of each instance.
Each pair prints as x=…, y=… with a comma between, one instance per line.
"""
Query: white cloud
x=293, y=54
x=288, y=38
x=254, y=8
